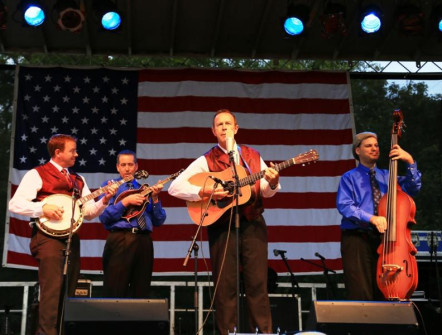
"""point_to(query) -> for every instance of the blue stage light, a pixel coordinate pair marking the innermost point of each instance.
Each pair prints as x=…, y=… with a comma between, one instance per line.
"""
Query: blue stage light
x=371, y=20
x=111, y=20
x=33, y=14
x=296, y=19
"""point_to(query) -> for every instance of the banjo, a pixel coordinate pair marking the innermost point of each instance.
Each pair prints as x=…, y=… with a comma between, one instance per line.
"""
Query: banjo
x=62, y=227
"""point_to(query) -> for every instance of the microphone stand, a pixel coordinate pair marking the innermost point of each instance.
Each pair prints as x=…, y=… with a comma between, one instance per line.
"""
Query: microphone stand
x=236, y=194
x=330, y=288
x=195, y=248
x=433, y=250
x=295, y=284
x=67, y=252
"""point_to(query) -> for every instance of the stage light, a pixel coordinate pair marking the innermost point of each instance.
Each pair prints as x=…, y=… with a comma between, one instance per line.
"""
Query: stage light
x=333, y=20
x=107, y=13
x=436, y=19
x=410, y=20
x=70, y=17
x=296, y=19
x=3, y=15
x=33, y=13
x=371, y=19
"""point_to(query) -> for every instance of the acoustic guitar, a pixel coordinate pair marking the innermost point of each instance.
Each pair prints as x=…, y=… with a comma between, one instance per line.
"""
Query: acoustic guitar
x=216, y=208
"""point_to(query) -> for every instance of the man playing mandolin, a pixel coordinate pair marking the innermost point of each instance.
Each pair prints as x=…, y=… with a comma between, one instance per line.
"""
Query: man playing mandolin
x=30, y=200
x=253, y=230
x=128, y=252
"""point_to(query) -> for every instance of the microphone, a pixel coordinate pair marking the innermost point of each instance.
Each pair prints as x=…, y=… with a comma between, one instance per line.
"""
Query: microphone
x=277, y=252
x=229, y=140
x=219, y=181
x=317, y=254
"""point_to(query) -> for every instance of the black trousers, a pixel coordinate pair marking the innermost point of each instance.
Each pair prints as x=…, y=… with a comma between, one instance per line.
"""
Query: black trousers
x=254, y=264
x=359, y=258
x=127, y=265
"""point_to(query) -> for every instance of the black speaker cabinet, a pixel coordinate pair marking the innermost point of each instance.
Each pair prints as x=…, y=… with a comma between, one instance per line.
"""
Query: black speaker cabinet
x=362, y=318
x=86, y=316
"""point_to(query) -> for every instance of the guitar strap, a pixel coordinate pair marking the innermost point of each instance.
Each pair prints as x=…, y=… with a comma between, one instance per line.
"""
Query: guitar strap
x=243, y=160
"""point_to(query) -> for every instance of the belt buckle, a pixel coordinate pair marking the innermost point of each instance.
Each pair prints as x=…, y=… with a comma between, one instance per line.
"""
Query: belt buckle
x=134, y=230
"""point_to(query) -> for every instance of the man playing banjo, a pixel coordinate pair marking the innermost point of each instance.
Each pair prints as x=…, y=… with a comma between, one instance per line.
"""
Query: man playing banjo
x=29, y=200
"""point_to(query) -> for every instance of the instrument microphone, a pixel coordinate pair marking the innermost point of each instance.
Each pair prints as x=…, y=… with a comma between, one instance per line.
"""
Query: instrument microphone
x=229, y=140
x=219, y=181
x=317, y=254
x=277, y=252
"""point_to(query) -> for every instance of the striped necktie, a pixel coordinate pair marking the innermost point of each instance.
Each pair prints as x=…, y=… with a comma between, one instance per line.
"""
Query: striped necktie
x=141, y=220
x=376, y=193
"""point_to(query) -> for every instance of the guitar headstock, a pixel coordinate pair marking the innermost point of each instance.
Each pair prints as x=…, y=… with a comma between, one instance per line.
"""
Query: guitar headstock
x=141, y=174
x=307, y=157
x=398, y=124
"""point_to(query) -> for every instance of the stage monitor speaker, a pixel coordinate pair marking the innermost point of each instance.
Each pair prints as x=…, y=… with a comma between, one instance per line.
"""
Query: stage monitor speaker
x=362, y=318
x=87, y=316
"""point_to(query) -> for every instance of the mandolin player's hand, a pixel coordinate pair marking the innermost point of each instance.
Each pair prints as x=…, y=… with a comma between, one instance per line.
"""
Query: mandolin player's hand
x=135, y=199
x=110, y=192
x=53, y=212
x=156, y=189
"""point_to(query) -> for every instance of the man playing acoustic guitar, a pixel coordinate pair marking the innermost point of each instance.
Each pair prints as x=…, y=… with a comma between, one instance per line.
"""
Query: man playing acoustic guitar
x=30, y=200
x=253, y=230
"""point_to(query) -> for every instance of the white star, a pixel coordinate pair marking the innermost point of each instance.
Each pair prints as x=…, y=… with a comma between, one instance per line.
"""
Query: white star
x=123, y=122
x=103, y=119
x=28, y=77
x=22, y=159
x=25, y=116
x=95, y=110
x=103, y=140
x=124, y=101
x=106, y=79
x=76, y=89
x=55, y=109
x=43, y=140
x=27, y=97
x=54, y=130
x=46, y=98
x=44, y=119
x=113, y=131
x=34, y=129
x=86, y=100
x=74, y=131
x=94, y=131
x=66, y=98
x=87, y=80
x=37, y=88
x=102, y=162
x=42, y=161
x=82, y=162
x=35, y=109
x=57, y=88
x=122, y=142
x=83, y=140
x=24, y=137
x=112, y=152
x=95, y=89
x=48, y=78
x=67, y=79
x=114, y=110
x=84, y=120
x=104, y=99
x=75, y=110
x=114, y=90
x=64, y=119
x=125, y=81
x=93, y=151
x=32, y=149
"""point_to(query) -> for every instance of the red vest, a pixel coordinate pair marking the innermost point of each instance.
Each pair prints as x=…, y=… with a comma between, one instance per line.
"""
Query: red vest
x=54, y=182
x=218, y=161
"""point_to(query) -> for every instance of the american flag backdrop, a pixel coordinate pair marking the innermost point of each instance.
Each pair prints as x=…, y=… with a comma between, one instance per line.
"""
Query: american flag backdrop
x=165, y=116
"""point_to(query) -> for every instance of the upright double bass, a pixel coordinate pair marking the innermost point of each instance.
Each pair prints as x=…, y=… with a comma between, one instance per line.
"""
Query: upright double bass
x=397, y=267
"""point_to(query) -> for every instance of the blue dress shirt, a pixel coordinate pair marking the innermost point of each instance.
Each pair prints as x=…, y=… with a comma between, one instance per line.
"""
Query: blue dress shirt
x=354, y=199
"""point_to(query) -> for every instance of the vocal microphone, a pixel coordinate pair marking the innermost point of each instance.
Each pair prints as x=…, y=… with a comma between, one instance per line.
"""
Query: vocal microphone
x=219, y=181
x=229, y=140
x=317, y=254
x=277, y=252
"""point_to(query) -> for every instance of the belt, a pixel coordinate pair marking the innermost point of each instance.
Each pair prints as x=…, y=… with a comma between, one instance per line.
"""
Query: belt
x=133, y=230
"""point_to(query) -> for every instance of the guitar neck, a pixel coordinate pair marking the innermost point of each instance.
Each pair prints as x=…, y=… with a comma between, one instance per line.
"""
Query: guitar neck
x=102, y=190
x=253, y=178
x=148, y=189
